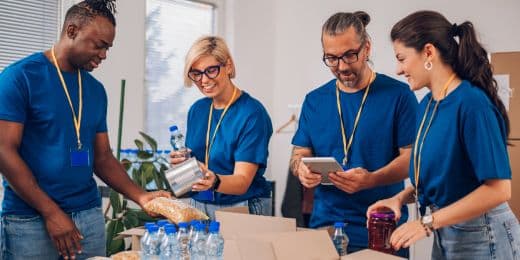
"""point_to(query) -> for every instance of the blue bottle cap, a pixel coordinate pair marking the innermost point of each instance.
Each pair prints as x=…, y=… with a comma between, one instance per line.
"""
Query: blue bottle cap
x=173, y=128
x=214, y=228
x=153, y=228
x=339, y=225
x=170, y=229
x=162, y=222
x=183, y=225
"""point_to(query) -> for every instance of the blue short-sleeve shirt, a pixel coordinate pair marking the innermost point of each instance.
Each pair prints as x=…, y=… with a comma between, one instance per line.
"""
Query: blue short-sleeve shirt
x=465, y=146
x=387, y=123
x=243, y=136
x=31, y=94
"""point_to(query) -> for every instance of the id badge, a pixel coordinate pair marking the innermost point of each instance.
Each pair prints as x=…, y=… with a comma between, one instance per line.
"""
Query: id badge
x=207, y=195
x=79, y=157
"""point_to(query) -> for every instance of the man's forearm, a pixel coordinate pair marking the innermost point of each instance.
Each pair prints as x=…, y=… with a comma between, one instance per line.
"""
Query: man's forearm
x=393, y=172
x=113, y=174
x=296, y=155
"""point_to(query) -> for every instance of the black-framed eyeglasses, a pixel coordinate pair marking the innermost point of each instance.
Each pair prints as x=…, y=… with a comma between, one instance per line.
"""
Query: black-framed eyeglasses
x=211, y=72
x=348, y=57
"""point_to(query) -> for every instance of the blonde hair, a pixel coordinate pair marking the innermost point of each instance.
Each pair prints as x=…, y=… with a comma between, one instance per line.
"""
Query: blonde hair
x=207, y=46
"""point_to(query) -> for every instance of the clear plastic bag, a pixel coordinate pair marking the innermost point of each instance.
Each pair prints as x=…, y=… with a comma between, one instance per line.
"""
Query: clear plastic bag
x=175, y=210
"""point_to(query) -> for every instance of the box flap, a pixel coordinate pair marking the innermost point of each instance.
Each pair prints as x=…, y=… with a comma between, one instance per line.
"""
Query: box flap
x=369, y=254
x=138, y=231
x=287, y=245
x=233, y=224
x=243, y=210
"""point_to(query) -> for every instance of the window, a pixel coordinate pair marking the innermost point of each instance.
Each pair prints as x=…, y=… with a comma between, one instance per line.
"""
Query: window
x=26, y=27
x=171, y=28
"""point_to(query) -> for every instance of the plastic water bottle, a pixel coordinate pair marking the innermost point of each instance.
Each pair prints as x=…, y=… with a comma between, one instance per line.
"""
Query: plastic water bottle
x=183, y=241
x=161, y=223
x=150, y=249
x=146, y=234
x=177, y=140
x=198, y=243
x=340, y=238
x=192, y=227
x=169, y=244
x=214, y=243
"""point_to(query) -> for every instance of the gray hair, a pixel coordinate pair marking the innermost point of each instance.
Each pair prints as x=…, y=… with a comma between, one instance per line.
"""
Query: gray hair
x=340, y=22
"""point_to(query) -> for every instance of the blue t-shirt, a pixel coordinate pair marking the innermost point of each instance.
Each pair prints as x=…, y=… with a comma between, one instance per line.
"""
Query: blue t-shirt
x=466, y=145
x=243, y=136
x=386, y=124
x=31, y=94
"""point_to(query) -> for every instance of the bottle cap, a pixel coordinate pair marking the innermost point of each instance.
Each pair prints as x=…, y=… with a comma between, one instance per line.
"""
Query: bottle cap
x=383, y=215
x=173, y=128
x=339, y=225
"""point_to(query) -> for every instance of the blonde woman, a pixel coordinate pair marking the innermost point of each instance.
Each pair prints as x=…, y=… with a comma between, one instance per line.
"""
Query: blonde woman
x=228, y=131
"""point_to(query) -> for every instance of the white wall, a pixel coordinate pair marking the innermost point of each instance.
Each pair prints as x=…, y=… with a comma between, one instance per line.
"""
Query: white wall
x=277, y=50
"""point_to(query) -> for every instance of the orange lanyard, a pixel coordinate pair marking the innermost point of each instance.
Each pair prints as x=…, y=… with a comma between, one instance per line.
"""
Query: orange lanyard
x=76, y=119
x=346, y=146
x=416, y=150
x=208, y=143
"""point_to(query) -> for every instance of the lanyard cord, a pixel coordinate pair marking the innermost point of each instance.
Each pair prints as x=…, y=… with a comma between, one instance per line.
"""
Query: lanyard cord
x=208, y=143
x=417, y=151
x=346, y=146
x=76, y=119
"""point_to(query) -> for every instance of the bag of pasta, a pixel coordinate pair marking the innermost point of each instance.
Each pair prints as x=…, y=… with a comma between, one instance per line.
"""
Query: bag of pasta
x=175, y=210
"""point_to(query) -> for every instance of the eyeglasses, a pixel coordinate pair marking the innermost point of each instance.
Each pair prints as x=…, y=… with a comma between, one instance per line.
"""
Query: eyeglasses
x=348, y=57
x=211, y=72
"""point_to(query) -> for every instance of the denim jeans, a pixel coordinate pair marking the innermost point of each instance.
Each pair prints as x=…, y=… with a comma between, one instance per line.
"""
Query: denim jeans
x=493, y=235
x=257, y=206
x=25, y=237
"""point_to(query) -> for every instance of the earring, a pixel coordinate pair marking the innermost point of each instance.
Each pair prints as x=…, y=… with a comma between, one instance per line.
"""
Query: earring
x=428, y=65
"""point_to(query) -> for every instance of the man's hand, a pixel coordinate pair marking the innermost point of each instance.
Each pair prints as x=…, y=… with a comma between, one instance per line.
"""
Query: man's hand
x=64, y=234
x=307, y=178
x=353, y=180
x=147, y=196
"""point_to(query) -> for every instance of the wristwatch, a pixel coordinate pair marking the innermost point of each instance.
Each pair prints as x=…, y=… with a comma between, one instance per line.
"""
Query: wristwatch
x=427, y=221
x=216, y=184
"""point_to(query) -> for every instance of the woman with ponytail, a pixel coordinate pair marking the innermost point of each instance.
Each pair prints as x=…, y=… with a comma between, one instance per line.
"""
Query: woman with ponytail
x=460, y=172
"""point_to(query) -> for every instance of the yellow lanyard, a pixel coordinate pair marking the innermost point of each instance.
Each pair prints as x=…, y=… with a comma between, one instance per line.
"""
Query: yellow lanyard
x=416, y=150
x=77, y=120
x=346, y=146
x=208, y=143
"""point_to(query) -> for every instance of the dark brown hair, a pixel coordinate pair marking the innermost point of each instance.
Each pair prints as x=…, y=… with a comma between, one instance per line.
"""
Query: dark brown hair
x=467, y=57
x=85, y=11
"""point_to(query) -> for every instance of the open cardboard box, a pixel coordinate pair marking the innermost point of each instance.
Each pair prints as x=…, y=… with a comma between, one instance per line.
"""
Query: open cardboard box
x=254, y=237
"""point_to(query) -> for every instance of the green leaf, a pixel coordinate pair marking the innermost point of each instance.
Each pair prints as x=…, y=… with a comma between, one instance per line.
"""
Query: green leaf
x=157, y=179
x=150, y=141
x=144, y=155
x=135, y=177
x=115, y=245
x=163, y=177
x=126, y=164
x=139, y=144
x=115, y=201
x=143, y=217
x=130, y=220
x=147, y=171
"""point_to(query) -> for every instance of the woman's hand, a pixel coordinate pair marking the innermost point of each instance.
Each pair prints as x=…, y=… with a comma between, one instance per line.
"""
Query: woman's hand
x=177, y=157
x=205, y=183
x=393, y=204
x=407, y=234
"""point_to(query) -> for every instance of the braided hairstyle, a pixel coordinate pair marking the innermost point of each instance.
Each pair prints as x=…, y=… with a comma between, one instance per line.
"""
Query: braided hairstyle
x=467, y=57
x=85, y=11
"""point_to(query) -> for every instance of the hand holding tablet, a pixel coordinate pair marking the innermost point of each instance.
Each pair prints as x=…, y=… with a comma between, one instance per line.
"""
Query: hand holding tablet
x=323, y=166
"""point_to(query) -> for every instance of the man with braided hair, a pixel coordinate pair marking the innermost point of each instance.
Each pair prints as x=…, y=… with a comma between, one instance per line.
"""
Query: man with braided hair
x=54, y=138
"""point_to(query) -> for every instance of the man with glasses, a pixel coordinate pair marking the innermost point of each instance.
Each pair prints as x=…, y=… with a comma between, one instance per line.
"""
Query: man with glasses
x=365, y=120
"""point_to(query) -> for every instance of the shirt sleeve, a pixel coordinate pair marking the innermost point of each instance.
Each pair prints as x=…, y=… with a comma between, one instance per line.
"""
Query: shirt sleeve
x=13, y=96
x=254, y=138
x=302, y=136
x=406, y=118
x=102, y=125
x=484, y=137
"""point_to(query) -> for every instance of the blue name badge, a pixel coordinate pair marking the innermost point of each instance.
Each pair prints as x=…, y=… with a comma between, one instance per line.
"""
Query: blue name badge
x=79, y=157
x=207, y=195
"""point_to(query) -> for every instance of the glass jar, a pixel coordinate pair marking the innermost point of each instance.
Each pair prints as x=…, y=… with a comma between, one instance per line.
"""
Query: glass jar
x=380, y=228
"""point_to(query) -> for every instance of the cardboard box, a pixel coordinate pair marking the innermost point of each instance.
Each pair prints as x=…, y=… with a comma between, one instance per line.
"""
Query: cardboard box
x=135, y=235
x=514, y=156
x=254, y=237
x=508, y=63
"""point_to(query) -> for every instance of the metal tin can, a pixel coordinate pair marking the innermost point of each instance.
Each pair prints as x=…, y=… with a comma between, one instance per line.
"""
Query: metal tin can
x=182, y=176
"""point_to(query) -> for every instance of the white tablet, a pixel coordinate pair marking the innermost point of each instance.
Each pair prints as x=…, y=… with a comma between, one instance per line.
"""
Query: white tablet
x=322, y=165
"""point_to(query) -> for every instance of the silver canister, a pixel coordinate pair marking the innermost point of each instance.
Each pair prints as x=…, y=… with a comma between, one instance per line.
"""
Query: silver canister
x=182, y=176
